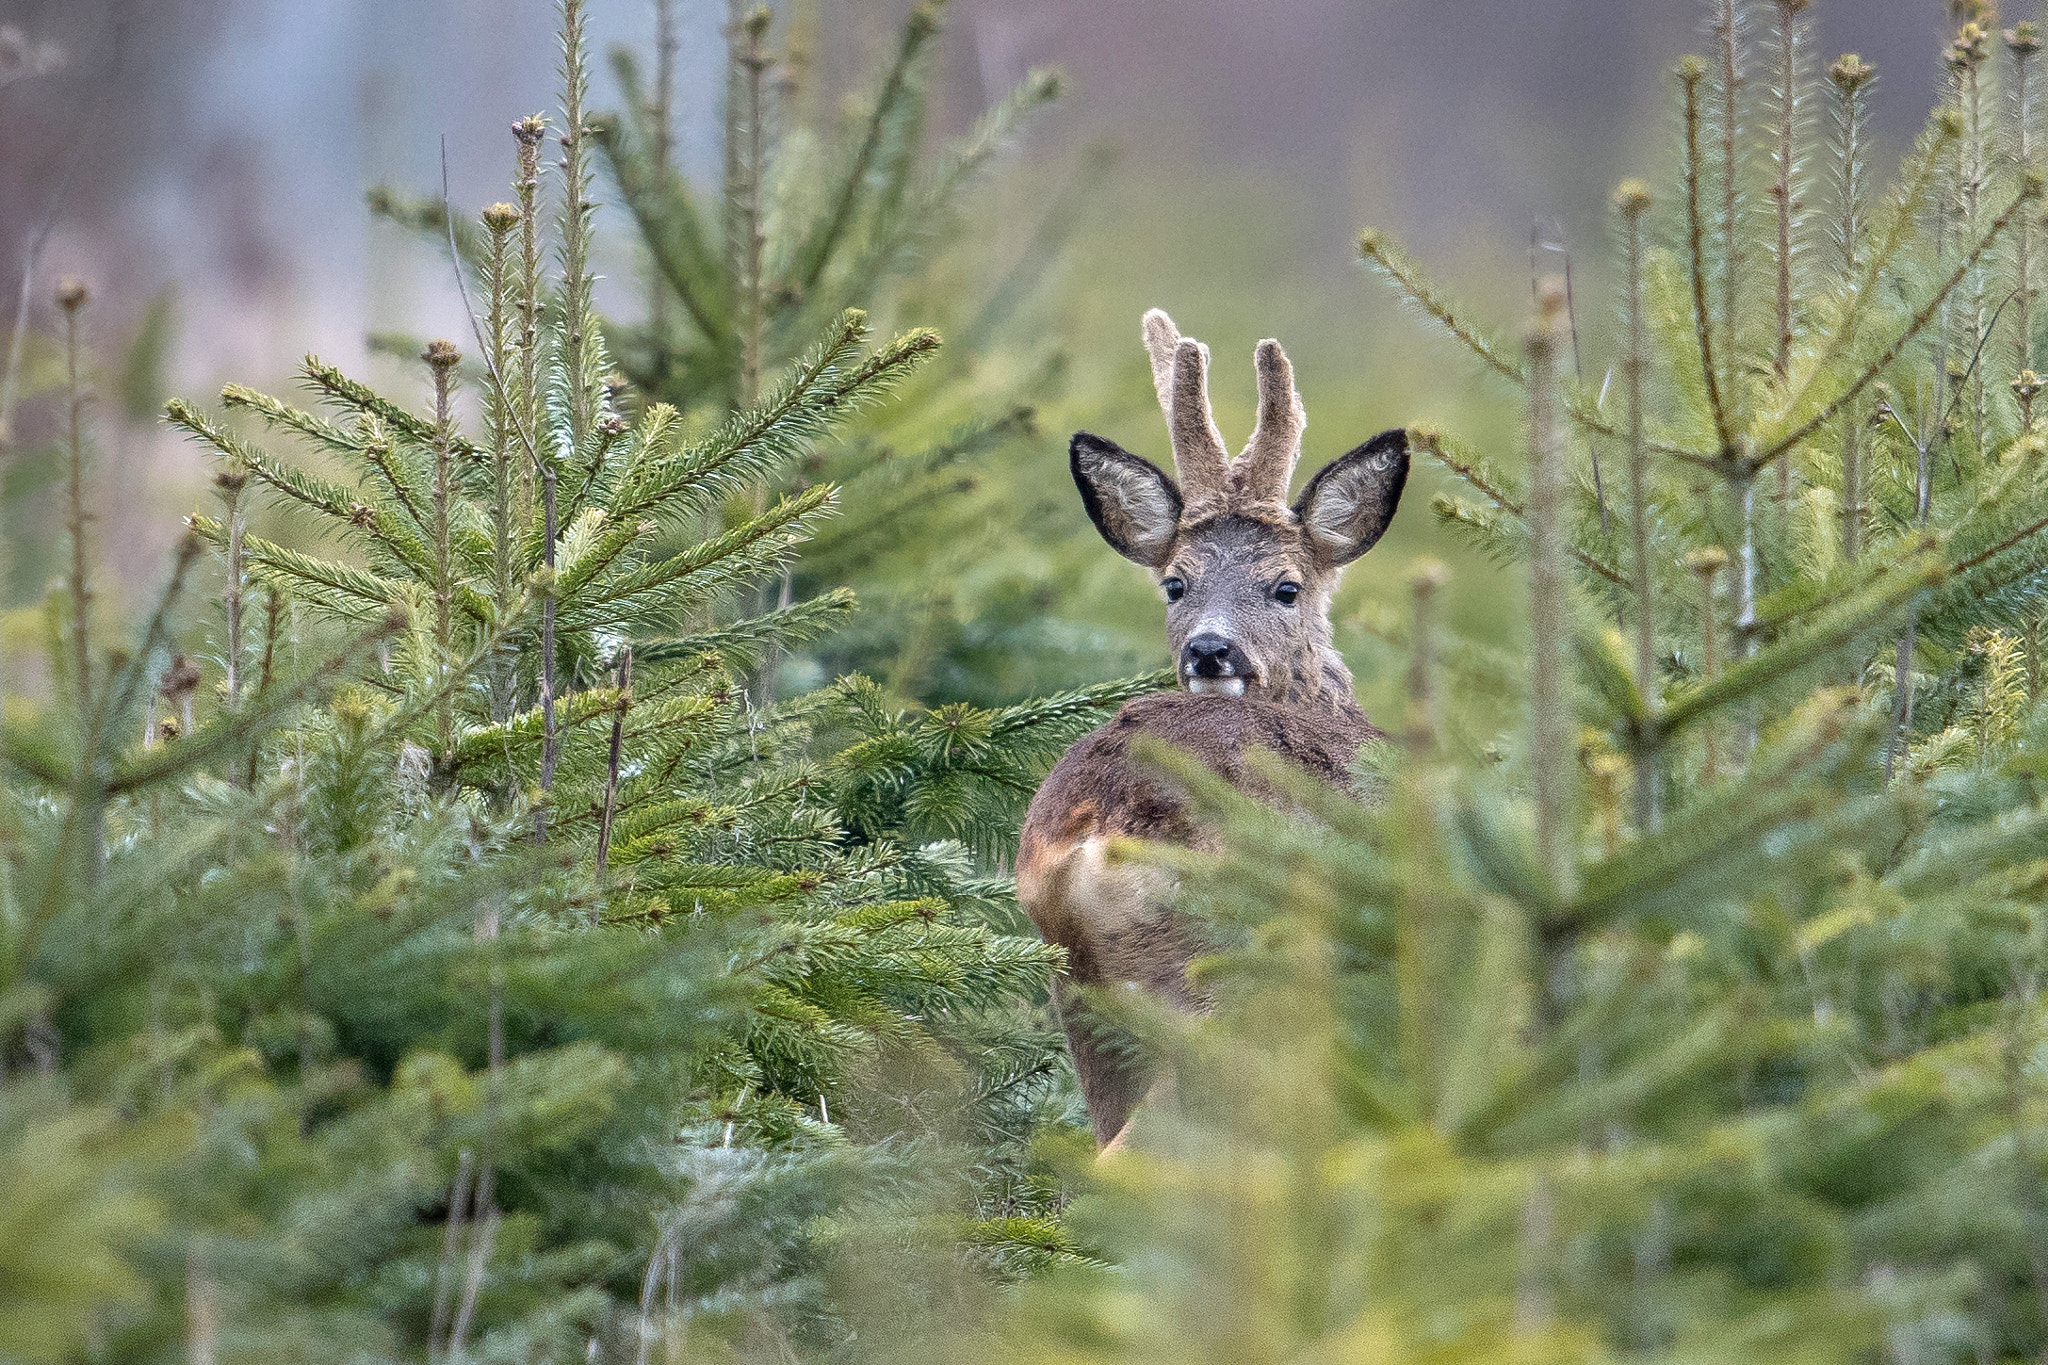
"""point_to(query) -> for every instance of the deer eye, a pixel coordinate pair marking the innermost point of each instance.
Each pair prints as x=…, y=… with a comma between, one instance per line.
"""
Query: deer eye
x=1173, y=588
x=1286, y=593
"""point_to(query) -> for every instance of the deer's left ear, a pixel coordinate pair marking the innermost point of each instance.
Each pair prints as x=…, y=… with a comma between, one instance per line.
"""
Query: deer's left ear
x=1348, y=505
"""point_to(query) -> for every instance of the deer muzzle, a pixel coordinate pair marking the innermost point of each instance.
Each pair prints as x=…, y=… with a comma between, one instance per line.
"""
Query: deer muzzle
x=1212, y=664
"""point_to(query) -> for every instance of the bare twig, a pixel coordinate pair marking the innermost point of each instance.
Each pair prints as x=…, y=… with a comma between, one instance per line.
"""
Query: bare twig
x=451, y=1243
x=480, y=1244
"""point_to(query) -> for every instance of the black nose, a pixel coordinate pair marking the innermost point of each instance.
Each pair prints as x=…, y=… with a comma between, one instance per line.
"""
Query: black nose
x=1208, y=656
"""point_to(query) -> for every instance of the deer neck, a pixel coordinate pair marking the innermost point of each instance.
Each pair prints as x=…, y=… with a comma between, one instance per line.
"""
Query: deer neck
x=1317, y=677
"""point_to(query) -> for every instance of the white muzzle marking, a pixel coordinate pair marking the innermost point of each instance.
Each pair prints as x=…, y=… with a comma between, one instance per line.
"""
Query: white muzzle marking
x=1226, y=687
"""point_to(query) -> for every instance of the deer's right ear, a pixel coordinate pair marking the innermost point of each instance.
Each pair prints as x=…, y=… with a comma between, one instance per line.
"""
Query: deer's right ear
x=1130, y=500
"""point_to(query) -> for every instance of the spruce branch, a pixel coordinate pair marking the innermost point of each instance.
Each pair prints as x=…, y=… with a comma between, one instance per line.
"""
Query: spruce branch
x=1967, y=55
x=1918, y=180
x=71, y=298
x=501, y=414
x=441, y=358
x=906, y=219
x=341, y=589
x=260, y=715
x=392, y=532
x=2023, y=43
x=1730, y=25
x=279, y=416
x=670, y=225
x=1850, y=78
x=1787, y=189
x=1387, y=260
x=1691, y=72
x=1633, y=199
x=1788, y=33
x=1830, y=631
x=2029, y=193
x=344, y=392
x=821, y=245
x=744, y=190
x=580, y=341
x=727, y=558
x=660, y=119
x=611, y=783
x=743, y=642
x=1467, y=465
x=1550, y=718
x=814, y=391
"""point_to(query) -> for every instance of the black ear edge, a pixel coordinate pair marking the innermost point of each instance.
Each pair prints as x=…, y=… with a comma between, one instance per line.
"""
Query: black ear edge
x=1389, y=448
x=1086, y=446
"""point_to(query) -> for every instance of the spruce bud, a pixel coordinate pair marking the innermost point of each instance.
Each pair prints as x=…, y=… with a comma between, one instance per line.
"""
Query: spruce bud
x=180, y=680
x=1970, y=47
x=1708, y=561
x=1851, y=73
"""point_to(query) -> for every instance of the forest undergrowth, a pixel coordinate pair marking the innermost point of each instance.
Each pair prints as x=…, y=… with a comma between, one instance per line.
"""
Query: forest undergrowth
x=457, y=924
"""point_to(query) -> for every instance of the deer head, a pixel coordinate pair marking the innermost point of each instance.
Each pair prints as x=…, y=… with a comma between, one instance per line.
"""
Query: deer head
x=1247, y=577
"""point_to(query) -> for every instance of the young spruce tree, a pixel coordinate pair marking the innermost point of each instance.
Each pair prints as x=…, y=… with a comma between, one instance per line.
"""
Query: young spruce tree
x=1701, y=1017
x=506, y=980
x=816, y=211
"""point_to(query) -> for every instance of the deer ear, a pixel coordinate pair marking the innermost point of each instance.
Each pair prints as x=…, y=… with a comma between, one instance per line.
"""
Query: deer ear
x=1130, y=500
x=1347, y=506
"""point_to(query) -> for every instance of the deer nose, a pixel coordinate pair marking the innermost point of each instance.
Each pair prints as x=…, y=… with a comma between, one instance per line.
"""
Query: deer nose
x=1208, y=656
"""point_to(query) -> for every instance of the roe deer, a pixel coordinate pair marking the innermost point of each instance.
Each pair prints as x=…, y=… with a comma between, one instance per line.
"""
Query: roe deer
x=1247, y=581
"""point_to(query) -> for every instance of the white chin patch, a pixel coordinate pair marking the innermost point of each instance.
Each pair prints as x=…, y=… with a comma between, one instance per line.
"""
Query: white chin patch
x=1222, y=687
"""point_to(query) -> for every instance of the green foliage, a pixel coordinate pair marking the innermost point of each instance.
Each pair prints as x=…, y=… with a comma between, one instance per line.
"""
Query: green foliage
x=444, y=949
x=1749, y=1063
x=488, y=947
x=820, y=207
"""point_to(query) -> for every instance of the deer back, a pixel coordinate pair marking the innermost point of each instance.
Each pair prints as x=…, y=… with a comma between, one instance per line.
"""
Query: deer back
x=1102, y=790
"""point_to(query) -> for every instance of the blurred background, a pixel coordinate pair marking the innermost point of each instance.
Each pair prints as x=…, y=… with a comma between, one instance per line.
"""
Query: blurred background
x=204, y=163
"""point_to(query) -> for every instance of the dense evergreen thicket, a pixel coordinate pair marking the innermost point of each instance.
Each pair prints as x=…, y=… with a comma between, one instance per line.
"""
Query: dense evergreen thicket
x=457, y=939
x=443, y=947
x=1701, y=1016
x=820, y=206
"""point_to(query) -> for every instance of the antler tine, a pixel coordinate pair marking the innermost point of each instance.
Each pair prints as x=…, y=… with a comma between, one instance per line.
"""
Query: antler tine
x=1198, y=452
x=1162, y=339
x=1267, y=464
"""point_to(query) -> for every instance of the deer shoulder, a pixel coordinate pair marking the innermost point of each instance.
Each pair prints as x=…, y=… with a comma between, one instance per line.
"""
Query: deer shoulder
x=1107, y=912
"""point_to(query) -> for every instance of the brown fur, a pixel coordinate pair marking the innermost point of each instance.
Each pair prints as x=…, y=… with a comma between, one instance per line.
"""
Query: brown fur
x=1114, y=918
